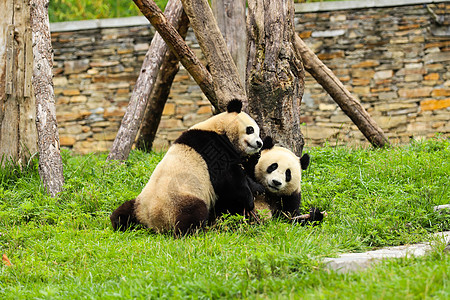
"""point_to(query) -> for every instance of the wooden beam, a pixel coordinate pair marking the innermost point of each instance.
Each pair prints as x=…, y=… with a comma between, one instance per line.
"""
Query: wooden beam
x=351, y=107
x=227, y=84
x=176, y=44
x=138, y=101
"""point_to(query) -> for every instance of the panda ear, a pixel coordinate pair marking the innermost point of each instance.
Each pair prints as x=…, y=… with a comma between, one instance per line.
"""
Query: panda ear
x=234, y=105
x=304, y=161
x=268, y=143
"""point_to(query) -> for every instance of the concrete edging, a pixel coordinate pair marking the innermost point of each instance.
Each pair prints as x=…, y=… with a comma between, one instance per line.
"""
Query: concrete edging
x=349, y=262
x=347, y=5
x=299, y=8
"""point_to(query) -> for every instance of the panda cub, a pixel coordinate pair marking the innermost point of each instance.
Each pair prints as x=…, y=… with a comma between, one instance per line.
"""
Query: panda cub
x=279, y=171
x=202, y=166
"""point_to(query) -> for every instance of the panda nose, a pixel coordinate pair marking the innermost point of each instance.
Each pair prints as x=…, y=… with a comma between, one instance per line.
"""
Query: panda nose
x=276, y=182
x=259, y=144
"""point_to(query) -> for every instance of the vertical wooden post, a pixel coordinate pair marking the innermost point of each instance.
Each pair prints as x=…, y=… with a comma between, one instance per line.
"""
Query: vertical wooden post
x=50, y=161
x=230, y=16
x=275, y=75
x=18, y=134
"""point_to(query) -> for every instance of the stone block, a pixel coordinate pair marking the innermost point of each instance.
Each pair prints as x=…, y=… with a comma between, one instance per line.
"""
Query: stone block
x=367, y=64
x=325, y=106
x=331, y=55
x=169, y=109
x=384, y=74
x=76, y=66
x=394, y=106
x=434, y=104
x=445, y=92
x=318, y=133
x=71, y=92
x=432, y=76
x=388, y=122
x=361, y=73
x=60, y=81
x=205, y=110
x=66, y=141
x=78, y=99
x=170, y=124
x=415, y=92
x=361, y=90
x=387, y=96
x=105, y=63
x=340, y=118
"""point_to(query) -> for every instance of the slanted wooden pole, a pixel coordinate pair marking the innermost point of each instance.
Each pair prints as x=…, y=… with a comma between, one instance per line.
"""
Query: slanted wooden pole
x=351, y=107
x=136, y=107
x=50, y=161
x=160, y=93
x=227, y=84
x=176, y=43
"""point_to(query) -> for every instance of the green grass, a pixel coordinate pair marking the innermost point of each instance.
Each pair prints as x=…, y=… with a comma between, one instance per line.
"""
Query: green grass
x=65, y=248
x=72, y=10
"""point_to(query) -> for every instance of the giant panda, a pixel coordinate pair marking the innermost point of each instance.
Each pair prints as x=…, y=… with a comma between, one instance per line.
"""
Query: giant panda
x=201, y=166
x=279, y=170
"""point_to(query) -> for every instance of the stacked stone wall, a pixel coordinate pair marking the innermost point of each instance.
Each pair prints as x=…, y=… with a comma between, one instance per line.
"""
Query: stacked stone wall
x=395, y=60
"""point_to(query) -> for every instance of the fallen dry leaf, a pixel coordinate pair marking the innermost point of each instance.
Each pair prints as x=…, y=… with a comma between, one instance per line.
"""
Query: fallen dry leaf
x=6, y=261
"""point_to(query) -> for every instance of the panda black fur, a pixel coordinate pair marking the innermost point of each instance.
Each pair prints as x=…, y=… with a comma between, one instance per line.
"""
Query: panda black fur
x=202, y=166
x=279, y=171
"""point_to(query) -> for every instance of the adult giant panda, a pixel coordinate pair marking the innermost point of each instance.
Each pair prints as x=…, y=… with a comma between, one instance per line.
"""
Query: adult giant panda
x=201, y=166
x=279, y=171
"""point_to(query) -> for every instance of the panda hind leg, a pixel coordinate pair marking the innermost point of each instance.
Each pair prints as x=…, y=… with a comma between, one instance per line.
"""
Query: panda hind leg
x=193, y=214
x=124, y=216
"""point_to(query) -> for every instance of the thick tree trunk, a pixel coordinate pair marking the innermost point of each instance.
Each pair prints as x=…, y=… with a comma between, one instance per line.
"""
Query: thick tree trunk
x=176, y=43
x=50, y=162
x=160, y=93
x=136, y=108
x=351, y=107
x=275, y=76
x=18, y=135
x=227, y=84
x=230, y=16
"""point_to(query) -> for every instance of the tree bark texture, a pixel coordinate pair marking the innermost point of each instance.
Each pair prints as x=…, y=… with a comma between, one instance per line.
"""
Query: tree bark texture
x=160, y=93
x=18, y=135
x=230, y=17
x=50, y=162
x=227, y=84
x=351, y=107
x=176, y=44
x=138, y=101
x=275, y=75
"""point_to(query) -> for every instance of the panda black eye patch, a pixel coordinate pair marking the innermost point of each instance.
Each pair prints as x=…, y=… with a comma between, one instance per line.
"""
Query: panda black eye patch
x=250, y=130
x=288, y=175
x=272, y=168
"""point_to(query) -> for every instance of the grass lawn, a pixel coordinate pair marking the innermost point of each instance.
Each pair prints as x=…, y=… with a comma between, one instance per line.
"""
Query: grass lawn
x=65, y=248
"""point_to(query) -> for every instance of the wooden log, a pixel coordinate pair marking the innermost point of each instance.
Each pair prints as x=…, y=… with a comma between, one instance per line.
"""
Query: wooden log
x=50, y=161
x=230, y=17
x=138, y=101
x=160, y=93
x=227, y=84
x=18, y=134
x=275, y=75
x=351, y=107
x=176, y=44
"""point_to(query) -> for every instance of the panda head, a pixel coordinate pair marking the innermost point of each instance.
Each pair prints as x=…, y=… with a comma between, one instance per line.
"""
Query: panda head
x=279, y=169
x=239, y=127
x=242, y=130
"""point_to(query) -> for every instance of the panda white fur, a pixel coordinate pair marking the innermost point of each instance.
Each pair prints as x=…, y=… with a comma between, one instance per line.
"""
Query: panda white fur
x=279, y=171
x=202, y=165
